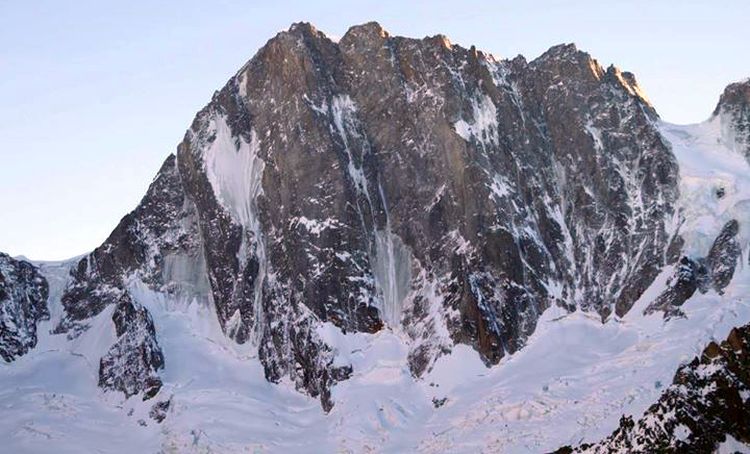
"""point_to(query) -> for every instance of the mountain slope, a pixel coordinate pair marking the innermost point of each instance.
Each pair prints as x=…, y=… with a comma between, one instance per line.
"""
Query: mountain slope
x=377, y=221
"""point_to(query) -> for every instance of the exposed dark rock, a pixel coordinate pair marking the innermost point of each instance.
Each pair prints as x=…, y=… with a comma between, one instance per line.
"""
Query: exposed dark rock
x=23, y=303
x=709, y=399
x=723, y=256
x=733, y=111
x=711, y=273
x=437, y=403
x=144, y=243
x=159, y=410
x=132, y=363
x=680, y=287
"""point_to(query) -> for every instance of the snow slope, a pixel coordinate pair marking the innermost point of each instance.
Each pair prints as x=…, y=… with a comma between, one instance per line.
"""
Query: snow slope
x=571, y=383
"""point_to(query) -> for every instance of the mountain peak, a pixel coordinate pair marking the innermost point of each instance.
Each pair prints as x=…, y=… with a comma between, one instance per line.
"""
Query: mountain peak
x=565, y=52
x=372, y=29
x=304, y=27
x=733, y=112
x=364, y=212
x=735, y=96
x=627, y=80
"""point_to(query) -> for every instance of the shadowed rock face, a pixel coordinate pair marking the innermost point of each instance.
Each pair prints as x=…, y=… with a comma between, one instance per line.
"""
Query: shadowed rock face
x=131, y=364
x=387, y=181
x=733, y=111
x=724, y=254
x=23, y=303
x=689, y=276
x=708, y=400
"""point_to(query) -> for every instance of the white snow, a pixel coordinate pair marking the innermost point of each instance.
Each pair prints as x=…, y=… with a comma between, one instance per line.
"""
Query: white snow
x=315, y=226
x=343, y=114
x=595, y=134
x=708, y=163
x=732, y=446
x=235, y=172
x=392, y=270
x=499, y=187
x=483, y=126
x=572, y=382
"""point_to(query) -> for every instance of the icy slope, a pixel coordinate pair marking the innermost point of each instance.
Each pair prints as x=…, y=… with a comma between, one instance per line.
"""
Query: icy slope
x=714, y=183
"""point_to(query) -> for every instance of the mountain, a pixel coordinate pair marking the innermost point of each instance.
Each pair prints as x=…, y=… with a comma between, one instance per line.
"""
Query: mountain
x=279, y=192
x=376, y=222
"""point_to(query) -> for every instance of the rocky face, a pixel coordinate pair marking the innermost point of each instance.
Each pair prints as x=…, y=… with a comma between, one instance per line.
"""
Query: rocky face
x=23, y=303
x=689, y=275
x=132, y=363
x=387, y=182
x=708, y=400
x=713, y=272
x=723, y=257
x=157, y=244
x=733, y=112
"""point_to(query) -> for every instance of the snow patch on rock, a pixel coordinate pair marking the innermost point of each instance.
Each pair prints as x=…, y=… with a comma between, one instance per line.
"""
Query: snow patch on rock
x=235, y=172
x=483, y=126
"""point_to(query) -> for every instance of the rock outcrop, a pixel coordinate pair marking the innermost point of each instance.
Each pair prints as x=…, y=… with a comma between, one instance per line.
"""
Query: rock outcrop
x=132, y=363
x=23, y=304
x=713, y=272
x=723, y=257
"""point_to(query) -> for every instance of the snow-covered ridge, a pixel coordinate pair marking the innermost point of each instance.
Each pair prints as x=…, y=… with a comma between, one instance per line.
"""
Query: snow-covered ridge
x=571, y=383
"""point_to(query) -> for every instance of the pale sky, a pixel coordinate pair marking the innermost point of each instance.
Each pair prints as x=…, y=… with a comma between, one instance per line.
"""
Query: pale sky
x=94, y=96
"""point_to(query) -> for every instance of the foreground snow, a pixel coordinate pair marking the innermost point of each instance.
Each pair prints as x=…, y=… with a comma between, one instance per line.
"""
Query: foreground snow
x=571, y=383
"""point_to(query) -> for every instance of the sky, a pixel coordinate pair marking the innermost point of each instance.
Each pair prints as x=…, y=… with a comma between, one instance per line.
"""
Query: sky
x=95, y=95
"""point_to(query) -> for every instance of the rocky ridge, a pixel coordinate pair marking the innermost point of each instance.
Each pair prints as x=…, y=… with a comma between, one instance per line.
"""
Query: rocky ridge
x=713, y=272
x=733, y=111
x=23, y=304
